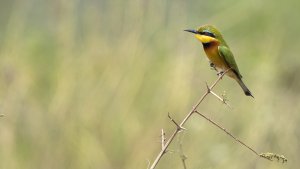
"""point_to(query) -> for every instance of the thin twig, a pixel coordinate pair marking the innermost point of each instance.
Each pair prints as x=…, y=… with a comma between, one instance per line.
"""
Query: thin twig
x=148, y=163
x=163, y=139
x=227, y=132
x=222, y=99
x=163, y=151
x=182, y=156
x=268, y=155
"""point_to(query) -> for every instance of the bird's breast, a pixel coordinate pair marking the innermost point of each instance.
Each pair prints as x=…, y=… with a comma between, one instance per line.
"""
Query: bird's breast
x=213, y=55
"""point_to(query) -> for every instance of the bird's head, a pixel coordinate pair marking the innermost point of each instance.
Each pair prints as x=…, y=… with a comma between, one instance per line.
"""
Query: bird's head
x=207, y=34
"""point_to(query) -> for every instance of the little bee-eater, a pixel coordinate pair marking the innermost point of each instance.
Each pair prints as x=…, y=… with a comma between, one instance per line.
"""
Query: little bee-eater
x=218, y=53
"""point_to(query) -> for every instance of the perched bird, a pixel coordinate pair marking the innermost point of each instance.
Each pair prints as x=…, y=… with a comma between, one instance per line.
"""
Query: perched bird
x=218, y=53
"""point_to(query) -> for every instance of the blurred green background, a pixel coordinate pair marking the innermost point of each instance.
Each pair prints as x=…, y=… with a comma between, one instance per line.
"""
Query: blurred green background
x=89, y=83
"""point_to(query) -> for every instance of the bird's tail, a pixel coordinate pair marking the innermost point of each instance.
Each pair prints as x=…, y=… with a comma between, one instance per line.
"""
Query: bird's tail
x=245, y=88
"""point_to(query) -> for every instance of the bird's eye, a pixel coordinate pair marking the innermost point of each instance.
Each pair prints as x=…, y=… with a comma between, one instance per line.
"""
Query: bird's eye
x=207, y=34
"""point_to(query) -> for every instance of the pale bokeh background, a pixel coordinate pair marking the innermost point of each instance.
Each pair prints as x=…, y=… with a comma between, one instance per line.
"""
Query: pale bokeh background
x=88, y=83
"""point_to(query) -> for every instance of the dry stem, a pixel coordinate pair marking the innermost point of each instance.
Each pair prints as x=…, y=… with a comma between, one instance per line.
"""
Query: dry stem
x=227, y=132
x=163, y=139
x=180, y=126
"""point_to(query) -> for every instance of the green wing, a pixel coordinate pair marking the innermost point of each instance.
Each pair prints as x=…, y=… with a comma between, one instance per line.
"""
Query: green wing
x=229, y=59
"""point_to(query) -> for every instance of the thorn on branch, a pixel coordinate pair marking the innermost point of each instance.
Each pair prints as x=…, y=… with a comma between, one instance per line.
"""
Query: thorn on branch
x=179, y=128
x=207, y=87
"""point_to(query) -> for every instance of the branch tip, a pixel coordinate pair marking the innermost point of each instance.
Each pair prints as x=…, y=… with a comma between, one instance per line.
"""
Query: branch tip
x=222, y=99
x=272, y=156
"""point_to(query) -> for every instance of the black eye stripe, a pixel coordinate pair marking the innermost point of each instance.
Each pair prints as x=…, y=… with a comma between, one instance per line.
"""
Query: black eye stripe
x=207, y=34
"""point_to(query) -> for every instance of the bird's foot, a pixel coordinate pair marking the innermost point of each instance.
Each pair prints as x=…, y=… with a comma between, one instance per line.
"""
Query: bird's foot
x=220, y=73
x=212, y=66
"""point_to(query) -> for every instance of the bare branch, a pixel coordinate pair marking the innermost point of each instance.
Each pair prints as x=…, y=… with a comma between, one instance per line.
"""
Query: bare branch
x=163, y=139
x=227, y=132
x=268, y=156
x=179, y=127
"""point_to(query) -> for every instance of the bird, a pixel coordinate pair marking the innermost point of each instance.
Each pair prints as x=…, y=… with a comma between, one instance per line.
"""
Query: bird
x=219, y=54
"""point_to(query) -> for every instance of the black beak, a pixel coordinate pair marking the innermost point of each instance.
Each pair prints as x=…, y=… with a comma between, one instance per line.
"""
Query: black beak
x=192, y=31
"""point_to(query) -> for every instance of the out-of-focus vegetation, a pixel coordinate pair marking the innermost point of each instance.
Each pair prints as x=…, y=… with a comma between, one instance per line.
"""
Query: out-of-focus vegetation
x=88, y=84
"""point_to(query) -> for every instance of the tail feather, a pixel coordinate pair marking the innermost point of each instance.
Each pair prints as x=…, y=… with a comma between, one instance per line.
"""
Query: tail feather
x=245, y=88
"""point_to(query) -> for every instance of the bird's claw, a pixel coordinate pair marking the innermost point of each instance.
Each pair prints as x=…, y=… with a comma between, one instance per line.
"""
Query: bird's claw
x=220, y=73
x=212, y=66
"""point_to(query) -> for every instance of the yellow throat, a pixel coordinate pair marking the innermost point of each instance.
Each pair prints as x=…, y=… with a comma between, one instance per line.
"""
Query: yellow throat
x=204, y=38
